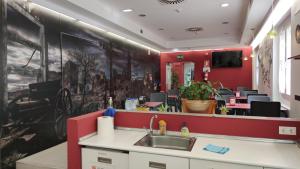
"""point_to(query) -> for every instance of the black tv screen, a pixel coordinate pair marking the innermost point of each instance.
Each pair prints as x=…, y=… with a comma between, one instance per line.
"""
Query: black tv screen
x=227, y=59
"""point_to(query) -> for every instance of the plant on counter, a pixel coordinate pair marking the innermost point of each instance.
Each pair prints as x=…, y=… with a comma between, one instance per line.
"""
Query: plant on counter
x=198, y=91
x=224, y=110
x=198, y=97
x=163, y=108
x=174, y=80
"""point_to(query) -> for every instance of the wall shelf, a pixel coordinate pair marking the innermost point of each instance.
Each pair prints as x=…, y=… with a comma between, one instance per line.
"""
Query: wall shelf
x=297, y=57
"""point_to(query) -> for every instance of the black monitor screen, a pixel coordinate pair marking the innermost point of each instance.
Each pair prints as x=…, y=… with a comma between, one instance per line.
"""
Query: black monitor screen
x=227, y=59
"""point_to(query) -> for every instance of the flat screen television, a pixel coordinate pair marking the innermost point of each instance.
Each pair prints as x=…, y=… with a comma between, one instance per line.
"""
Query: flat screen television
x=227, y=59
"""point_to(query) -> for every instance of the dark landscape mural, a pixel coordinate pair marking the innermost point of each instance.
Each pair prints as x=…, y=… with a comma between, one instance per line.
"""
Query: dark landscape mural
x=57, y=68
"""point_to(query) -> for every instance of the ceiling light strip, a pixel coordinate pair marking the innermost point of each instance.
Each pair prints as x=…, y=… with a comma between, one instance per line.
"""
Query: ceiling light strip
x=111, y=34
x=282, y=7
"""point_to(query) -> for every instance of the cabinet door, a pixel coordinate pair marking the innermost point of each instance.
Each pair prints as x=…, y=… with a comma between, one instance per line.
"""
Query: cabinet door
x=153, y=161
x=203, y=164
x=104, y=159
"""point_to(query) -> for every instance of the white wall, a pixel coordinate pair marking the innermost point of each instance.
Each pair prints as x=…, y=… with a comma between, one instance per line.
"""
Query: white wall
x=295, y=85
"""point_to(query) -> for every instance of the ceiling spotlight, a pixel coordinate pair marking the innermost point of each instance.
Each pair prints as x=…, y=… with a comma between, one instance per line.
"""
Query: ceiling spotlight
x=142, y=15
x=177, y=10
x=224, y=5
x=127, y=10
x=194, y=29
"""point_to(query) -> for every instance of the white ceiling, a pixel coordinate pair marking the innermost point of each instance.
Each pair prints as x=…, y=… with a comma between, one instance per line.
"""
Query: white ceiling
x=204, y=13
x=242, y=16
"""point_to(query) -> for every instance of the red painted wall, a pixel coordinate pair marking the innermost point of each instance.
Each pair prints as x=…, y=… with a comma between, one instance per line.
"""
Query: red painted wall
x=79, y=127
x=229, y=77
x=258, y=128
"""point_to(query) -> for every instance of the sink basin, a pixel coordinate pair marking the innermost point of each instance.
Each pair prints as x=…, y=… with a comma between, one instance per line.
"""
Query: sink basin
x=167, y=142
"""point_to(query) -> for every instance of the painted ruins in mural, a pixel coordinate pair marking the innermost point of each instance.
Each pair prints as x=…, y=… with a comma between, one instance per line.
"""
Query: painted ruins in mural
x=59, y=68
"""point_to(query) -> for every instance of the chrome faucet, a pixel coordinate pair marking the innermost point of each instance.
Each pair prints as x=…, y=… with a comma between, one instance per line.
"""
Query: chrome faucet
x=151, y=123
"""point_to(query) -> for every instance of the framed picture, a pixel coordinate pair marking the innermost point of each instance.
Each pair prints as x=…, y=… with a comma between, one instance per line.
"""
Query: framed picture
x=297, y=33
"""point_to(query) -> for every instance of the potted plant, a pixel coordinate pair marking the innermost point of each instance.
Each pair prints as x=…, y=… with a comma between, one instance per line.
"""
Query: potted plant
x=163, y=108
x=224, y=110
x=174, y=80
x=198, y=98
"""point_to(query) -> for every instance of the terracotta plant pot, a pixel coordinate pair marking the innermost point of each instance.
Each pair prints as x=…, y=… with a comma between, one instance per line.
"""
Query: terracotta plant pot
x=198, y=106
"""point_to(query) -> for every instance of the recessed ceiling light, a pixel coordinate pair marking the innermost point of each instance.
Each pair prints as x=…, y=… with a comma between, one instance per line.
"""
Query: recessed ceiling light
x=194, y=29
x=142, y=15
x=224, y=5
x=127, y=10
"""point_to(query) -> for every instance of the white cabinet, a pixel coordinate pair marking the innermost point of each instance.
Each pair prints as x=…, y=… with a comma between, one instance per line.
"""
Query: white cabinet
x=104, y=159
x=203, y=164
x=154, y=161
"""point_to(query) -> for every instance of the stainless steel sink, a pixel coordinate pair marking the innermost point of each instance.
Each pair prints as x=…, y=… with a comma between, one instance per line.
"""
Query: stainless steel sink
x=167, y=142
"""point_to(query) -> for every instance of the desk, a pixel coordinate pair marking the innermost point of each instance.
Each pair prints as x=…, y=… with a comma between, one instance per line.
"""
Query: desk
x=244, y=106
x=153, y=104
x=172, y=96
x=241, y=98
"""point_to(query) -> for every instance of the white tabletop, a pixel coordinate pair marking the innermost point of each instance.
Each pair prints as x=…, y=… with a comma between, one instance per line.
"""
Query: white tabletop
x=256, y=153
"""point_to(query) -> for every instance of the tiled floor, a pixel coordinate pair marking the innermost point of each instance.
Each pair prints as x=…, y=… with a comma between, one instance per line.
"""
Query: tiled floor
x=52, y=158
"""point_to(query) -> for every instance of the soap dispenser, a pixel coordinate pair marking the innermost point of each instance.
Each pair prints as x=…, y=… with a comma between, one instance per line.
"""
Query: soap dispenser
x=162, y=127
x=185, y=130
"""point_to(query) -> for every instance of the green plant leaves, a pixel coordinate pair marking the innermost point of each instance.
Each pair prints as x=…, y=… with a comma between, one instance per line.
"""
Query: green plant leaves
x=198, y=91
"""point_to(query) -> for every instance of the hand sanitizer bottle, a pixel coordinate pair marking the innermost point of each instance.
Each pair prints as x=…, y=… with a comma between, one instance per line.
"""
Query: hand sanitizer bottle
x=110, y=102
x=185, y=130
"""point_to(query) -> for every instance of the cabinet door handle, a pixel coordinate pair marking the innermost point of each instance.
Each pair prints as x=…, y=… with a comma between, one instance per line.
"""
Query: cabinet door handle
x=157, y=165
x=104, y=160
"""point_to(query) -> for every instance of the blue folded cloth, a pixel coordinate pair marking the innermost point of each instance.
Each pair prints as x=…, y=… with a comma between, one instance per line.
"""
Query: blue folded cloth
x=110, y=112
x=216, y=149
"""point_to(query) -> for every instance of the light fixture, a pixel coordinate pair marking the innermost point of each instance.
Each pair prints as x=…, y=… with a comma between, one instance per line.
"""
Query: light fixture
x=111, y=34
x=170, y=2
x=175, y=50
x=142, y=15
x=127, y=10
x=246, y=58
x=273, y=33
x=282, y=7
x=252, y=55
x=224, y=5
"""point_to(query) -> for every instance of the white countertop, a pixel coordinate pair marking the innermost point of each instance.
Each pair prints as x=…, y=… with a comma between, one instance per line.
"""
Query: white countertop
x=256, y=153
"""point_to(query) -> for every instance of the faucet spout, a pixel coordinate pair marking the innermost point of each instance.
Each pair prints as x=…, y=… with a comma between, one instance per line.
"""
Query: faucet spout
x=151, y=123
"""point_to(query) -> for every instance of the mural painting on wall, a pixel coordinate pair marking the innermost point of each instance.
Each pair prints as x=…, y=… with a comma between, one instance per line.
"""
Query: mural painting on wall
x=84, y=72
x=265, y=66
x=58, y=68
x=30, y=119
